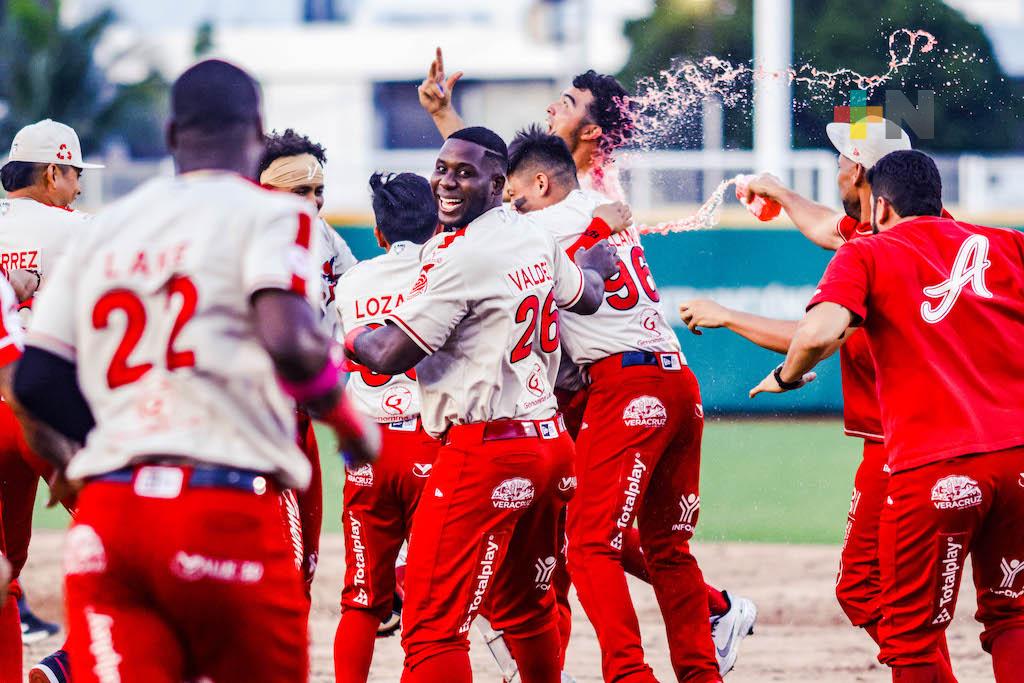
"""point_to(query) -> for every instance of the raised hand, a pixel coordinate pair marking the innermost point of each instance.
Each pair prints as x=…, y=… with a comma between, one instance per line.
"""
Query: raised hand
x=617, y=215
x=435, y=92
x=762, y=184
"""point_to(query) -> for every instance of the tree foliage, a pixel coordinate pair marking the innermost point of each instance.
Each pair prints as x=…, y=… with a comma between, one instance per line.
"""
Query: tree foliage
x=48, y=71
x=977, y=106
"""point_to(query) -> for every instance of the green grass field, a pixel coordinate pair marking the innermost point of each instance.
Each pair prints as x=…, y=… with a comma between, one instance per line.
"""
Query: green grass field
x=784, y=481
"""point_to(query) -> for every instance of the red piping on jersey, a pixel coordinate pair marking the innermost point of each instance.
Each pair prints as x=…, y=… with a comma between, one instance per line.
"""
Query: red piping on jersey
x=451, y=237
x=302, y=239
x=405, y=326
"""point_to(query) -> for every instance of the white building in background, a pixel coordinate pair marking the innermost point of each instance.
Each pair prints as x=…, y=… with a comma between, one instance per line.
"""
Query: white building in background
x=345, y=72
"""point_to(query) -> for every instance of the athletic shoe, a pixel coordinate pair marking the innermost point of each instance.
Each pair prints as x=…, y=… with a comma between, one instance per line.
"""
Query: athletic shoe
x=53, y=669
x=566, y=678
x=34, y=629
x=390, y=625
x=729, y=630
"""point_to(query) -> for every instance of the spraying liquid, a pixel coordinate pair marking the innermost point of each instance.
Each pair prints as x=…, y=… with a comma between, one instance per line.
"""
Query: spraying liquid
x=705, y=218
x=762, y=208
x=677, y=94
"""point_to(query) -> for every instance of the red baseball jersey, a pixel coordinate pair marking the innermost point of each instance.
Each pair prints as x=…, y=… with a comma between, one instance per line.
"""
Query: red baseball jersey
x=861, y=417
x=942, y=303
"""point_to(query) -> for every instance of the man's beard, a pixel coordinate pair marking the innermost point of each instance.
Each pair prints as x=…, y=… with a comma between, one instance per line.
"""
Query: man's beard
x=852, y=208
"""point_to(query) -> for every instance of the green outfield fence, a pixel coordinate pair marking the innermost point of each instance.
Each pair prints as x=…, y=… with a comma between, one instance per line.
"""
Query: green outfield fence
x=769, y=272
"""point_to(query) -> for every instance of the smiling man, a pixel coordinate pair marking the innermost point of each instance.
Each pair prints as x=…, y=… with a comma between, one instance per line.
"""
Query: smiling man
x=591, y=116
x=480, y=326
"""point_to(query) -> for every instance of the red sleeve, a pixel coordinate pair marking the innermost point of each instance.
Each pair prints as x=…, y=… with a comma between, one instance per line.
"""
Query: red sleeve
x=850, y=229
x=10, y=338
x=595, y=232
x=845, y=282
x=9, y=353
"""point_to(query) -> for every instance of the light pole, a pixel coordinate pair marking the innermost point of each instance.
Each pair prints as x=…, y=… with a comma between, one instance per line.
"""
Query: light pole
x=773, y=49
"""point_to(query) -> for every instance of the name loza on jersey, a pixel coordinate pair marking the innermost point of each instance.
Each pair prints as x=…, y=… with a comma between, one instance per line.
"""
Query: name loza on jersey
x=376, y=306
x=144, y=262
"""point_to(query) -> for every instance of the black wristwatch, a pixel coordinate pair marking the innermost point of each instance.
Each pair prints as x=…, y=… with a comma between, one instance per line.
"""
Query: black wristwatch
x=784, y=385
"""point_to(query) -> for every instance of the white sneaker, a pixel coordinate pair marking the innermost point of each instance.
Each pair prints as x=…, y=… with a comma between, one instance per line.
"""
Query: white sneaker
x=729, y=629
x=566, y=678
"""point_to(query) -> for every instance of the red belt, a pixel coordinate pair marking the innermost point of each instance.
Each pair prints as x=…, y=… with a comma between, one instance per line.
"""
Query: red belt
x=501, y=430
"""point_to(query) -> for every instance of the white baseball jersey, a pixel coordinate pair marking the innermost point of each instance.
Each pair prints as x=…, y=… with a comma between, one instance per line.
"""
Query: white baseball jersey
x=485, y=309
x=33, y=235
x=154, y=301
x=603, y=180
x=11, y=334
x=365, y=295
x=337, y=258
x=630, y=318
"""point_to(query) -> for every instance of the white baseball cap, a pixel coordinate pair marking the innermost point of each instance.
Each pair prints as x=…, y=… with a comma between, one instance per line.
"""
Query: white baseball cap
x=873, y=143
x=48, y=142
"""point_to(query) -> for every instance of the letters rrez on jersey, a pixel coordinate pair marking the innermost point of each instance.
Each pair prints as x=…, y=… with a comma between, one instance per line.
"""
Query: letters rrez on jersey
x=33, y=236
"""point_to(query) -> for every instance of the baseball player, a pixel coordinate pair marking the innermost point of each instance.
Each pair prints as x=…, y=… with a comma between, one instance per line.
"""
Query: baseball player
x=592, y=118
x=940, y=303
x=41, y=177
x=481, y=327
x=184, y=320
x=857, y=585
x=293, y=163
x=380, y=499
x=11, y=345
x=638, y=451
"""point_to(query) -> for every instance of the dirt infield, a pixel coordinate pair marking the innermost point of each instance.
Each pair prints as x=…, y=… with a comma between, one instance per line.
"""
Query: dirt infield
x=801, y=636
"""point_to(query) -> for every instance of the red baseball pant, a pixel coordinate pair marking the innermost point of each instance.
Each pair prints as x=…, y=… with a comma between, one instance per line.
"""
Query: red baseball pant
x=165, y=586
x=639, y=460
x=20, y=470
x=302, y=511
x=572, y=405
x=933, y=518
x=485, y=532
x=10, y=620
x=379, y=504
x=858, y=584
